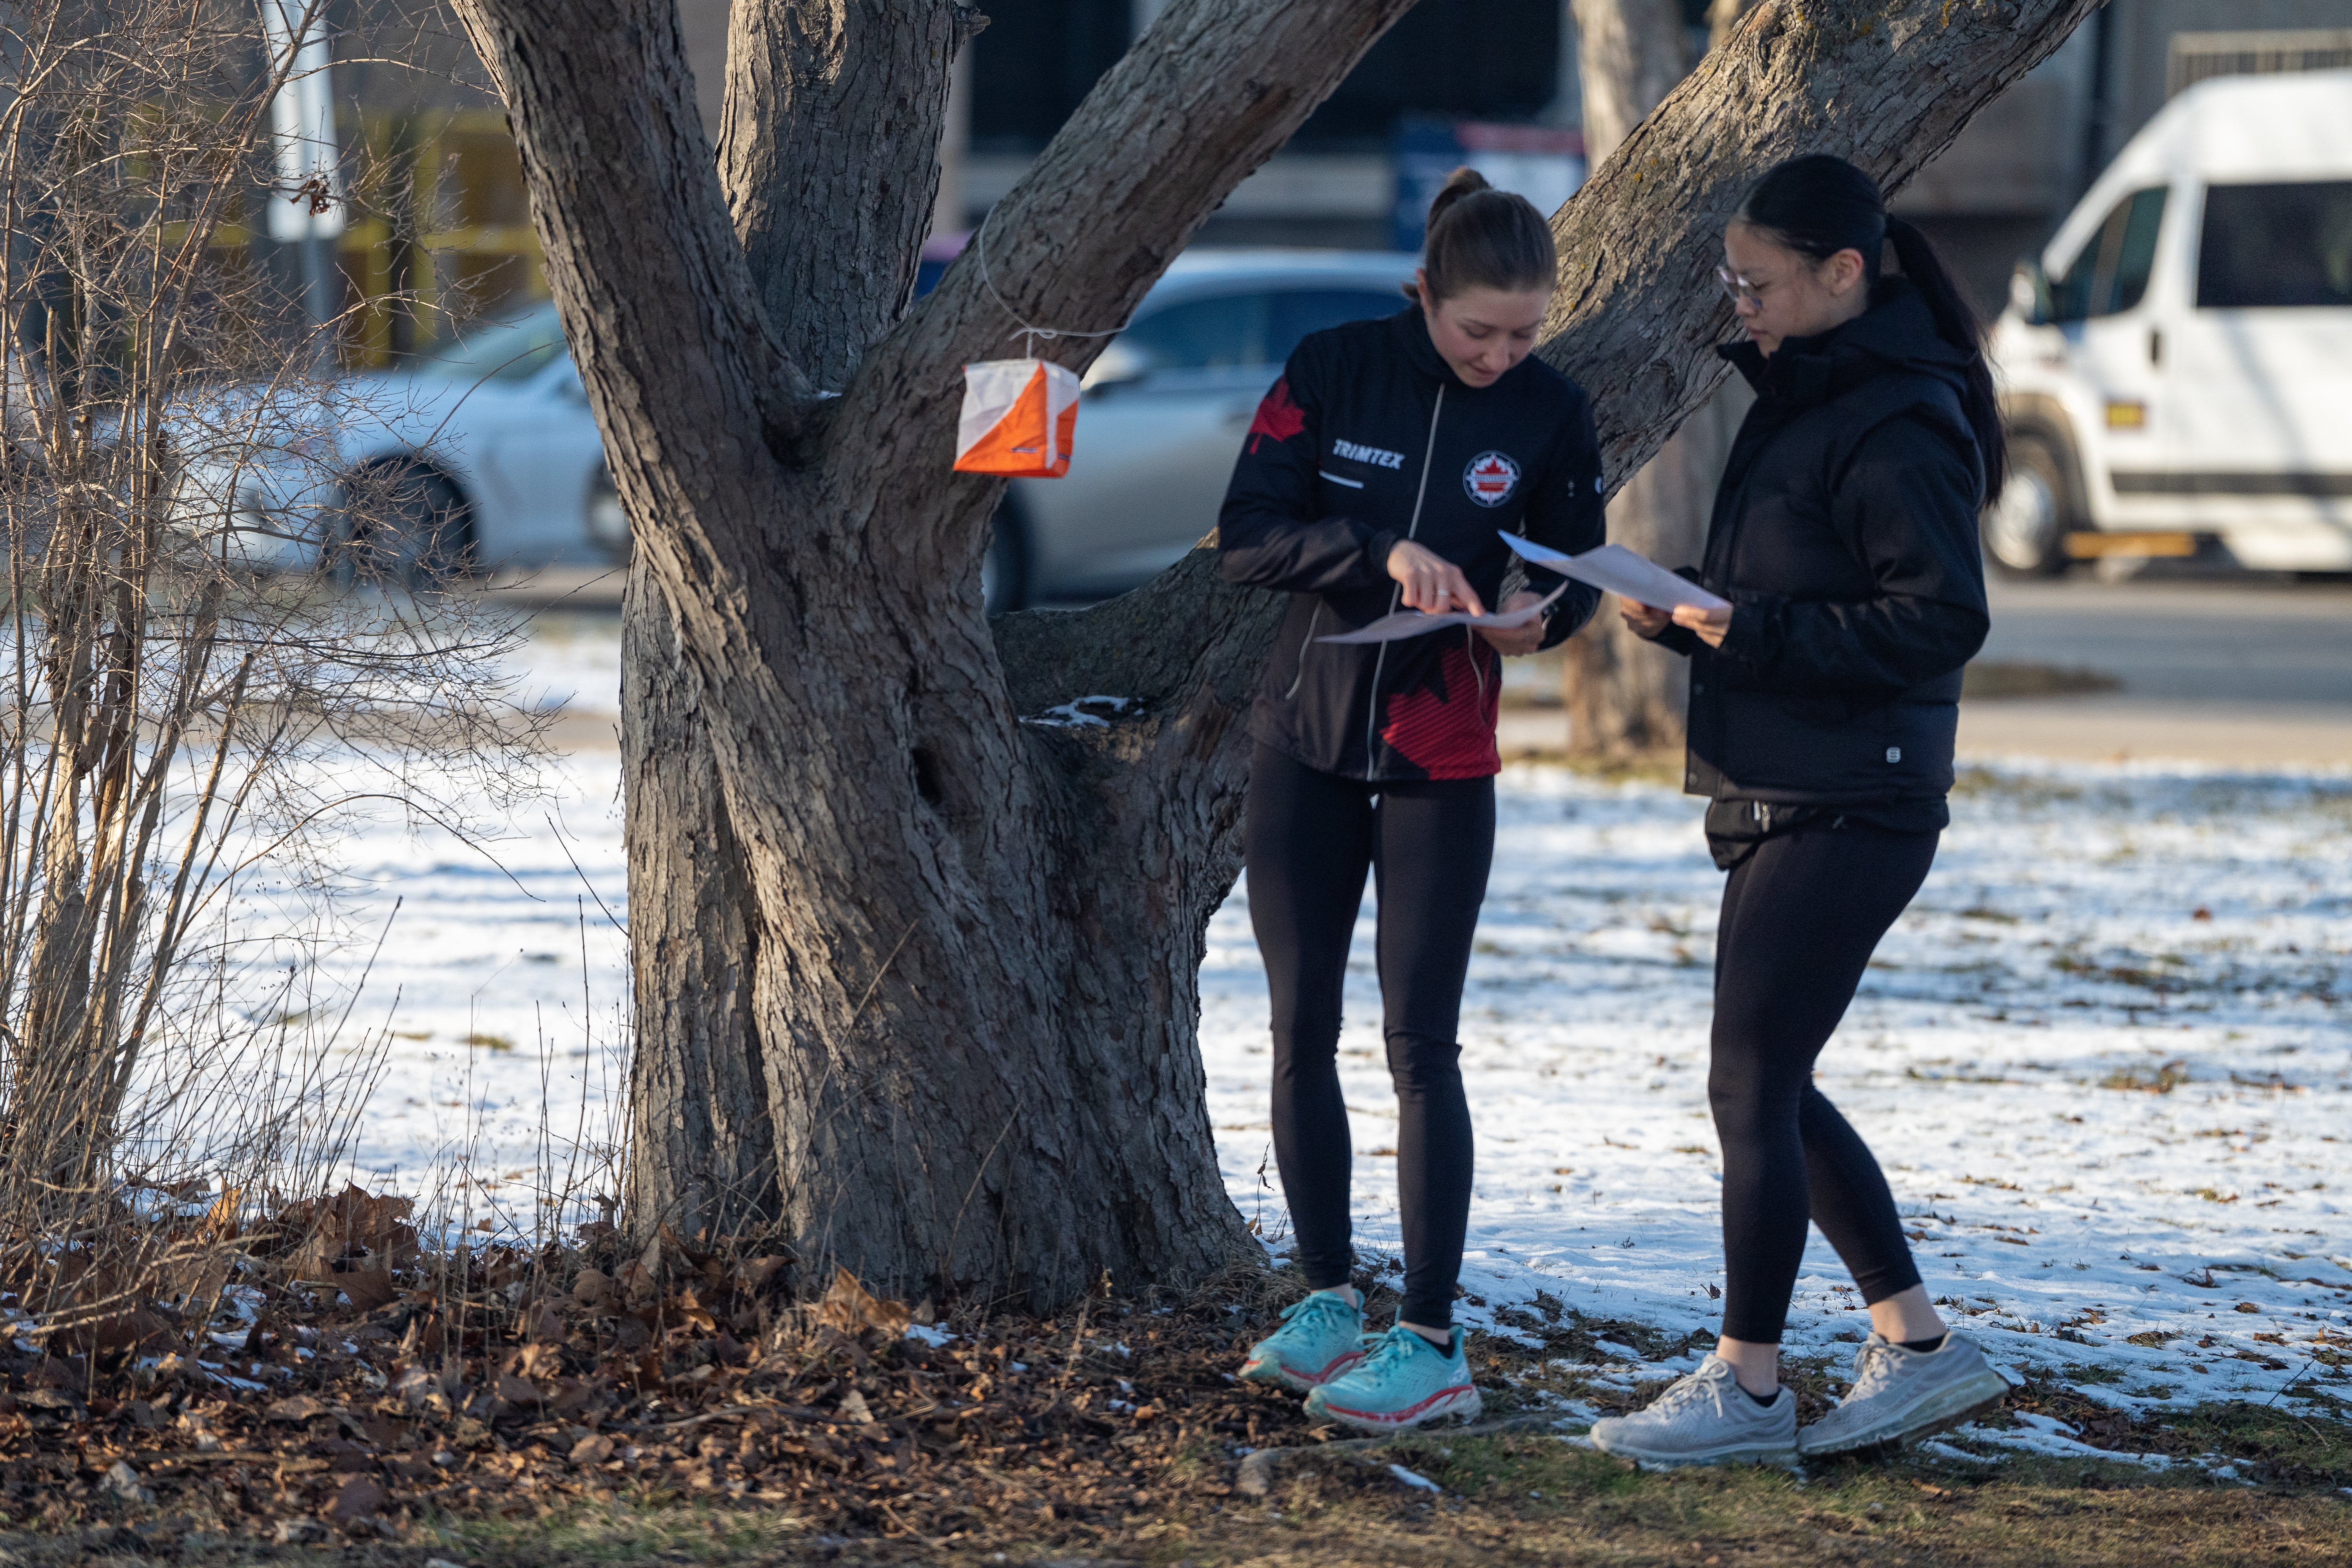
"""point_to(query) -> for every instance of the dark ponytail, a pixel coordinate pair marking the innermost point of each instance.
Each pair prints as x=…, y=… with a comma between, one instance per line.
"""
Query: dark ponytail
x=1819, y=206
x=1478, y=236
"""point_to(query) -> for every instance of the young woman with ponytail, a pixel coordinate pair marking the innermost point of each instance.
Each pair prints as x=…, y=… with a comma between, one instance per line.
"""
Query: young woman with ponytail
x=1380, y=473
x=1822, y=708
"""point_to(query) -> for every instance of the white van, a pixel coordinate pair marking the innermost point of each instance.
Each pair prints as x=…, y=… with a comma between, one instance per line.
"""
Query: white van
x=2177, y=370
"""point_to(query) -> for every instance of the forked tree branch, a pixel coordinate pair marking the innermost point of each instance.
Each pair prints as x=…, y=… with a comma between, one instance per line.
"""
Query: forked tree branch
x=828, y=151
x=1887, y=85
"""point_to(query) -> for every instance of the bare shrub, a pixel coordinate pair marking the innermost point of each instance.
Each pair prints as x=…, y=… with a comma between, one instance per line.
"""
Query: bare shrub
x=217, y=646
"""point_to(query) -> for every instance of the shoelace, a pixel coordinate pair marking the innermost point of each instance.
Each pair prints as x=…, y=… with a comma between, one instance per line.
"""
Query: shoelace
x=1874, y=1368
x=1692, y=1388
x=1393, y=1346
x=1320, y=1304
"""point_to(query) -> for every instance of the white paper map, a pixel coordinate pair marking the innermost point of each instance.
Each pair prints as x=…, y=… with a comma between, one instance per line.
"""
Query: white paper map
x=1622, y=572
x=1412, y=623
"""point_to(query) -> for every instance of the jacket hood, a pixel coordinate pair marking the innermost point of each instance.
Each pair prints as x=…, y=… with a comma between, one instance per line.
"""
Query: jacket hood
x=1896, y=333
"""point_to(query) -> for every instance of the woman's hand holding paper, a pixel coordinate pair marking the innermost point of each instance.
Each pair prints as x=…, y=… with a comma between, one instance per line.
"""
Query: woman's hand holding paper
x=1710, y=624
x=1513, y=641
x=1432, y=583
x=1646, y=621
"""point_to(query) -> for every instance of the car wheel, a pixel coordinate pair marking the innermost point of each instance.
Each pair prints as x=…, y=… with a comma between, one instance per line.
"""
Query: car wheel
x=2025, y=530
x=404, y=525
x=1004, y=571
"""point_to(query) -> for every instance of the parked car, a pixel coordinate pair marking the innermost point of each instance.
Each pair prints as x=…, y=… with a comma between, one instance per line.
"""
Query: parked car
x=489, y=453
x=2176, y=366
x=1165, y=408
x=485, y=453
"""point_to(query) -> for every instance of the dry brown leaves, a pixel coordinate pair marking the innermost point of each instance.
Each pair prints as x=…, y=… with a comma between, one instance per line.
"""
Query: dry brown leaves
x=360, y=1386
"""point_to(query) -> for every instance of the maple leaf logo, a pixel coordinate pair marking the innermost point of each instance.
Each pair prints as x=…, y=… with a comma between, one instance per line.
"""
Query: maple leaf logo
x=1490, y=479
x=1277, y=417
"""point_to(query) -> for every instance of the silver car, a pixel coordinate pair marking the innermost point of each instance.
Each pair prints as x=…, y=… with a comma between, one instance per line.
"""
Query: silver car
x=1166, y=406
x=482, y=457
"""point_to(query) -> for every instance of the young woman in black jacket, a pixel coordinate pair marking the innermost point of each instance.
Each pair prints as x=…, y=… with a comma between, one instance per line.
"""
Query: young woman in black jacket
x=1822, y=708
x=1379, y=472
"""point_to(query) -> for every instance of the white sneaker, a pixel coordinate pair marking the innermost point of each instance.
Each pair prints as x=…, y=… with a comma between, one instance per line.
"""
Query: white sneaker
x=1900, y=1395
x=1706, y=1418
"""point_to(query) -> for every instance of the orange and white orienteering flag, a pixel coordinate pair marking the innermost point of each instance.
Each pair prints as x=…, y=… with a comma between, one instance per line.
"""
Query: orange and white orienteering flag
x=1019, y=416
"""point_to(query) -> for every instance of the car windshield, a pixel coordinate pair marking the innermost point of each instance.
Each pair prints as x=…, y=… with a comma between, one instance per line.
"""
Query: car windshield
x=509, y=351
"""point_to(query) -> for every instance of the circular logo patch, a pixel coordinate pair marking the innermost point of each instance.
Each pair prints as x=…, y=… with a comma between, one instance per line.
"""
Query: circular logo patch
x=1490, y=479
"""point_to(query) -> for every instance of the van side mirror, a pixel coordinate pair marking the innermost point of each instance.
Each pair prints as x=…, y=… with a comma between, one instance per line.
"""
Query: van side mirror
x=2029, y=293
x=1120, y=364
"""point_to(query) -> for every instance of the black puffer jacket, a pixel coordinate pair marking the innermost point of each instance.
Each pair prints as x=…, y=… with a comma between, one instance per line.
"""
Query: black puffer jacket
x=1845, y=536
x=1370, y=439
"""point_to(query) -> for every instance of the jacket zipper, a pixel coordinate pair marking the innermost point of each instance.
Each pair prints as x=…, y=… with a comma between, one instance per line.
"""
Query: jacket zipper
x=1372, y=712
x=1304, y=644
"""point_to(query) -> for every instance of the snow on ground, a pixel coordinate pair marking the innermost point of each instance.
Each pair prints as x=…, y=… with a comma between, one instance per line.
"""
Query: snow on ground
x=2103, y=1058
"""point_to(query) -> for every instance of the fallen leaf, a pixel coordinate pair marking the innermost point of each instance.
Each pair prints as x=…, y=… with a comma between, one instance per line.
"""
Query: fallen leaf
x=220, y=1220
x=359, y=1497
x=297, y=1407
x=515, y=1390
x=369, y=1288
x=592, y=1449
x=536, y=1361
x=851, y=1307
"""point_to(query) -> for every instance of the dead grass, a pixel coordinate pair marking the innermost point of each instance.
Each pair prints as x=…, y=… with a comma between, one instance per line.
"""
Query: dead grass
x=1505, y=1500
x=1106, y=1437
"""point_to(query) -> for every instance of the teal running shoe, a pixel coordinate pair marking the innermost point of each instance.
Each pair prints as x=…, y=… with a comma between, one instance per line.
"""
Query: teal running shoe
x=1404, y=1381
x=1320, y=1338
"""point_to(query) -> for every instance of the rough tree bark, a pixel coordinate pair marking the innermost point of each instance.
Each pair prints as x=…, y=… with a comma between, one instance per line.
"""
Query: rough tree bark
x=1623, y=696
x=918, y=975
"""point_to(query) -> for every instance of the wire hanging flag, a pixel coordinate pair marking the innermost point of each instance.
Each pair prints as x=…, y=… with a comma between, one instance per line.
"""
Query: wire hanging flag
x=1020, y=415
x=1029, y=331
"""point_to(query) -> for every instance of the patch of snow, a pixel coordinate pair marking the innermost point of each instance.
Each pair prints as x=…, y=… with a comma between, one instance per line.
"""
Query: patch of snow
x=2101, y=1058
x=1083, y=714
x=1414, y=1479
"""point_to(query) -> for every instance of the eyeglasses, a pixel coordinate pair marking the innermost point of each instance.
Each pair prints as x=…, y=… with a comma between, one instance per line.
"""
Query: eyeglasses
x=1740, y=290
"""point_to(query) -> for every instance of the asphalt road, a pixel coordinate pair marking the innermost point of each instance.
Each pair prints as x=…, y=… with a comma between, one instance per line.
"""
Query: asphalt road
x=2243, y=672
x=2252, y=673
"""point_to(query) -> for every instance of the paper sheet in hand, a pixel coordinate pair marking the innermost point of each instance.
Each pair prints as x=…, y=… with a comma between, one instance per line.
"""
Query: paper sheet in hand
x=1412, y=623
x=1622, y=572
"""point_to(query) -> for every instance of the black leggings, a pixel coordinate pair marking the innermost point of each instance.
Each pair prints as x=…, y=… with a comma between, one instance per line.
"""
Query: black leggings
x=1801, y=916
x=1310, y=836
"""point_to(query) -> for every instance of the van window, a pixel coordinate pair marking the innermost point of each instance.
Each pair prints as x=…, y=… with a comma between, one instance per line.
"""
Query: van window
x=2269, y=246
x=2110, y=273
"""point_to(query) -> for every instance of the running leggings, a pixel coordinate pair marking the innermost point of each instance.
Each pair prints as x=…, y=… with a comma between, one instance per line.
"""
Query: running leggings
x=1801, y=916
x=1310, y=838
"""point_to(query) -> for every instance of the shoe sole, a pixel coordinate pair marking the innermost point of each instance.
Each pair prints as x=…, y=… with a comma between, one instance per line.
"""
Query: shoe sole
x=1274, y=1375
x=1463, y=1403
x=1977, y=1395
x=1741, y=1453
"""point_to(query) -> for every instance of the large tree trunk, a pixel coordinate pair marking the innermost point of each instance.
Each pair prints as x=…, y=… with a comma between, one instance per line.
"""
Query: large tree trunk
x=1629, y=55
x=951, y=1042
x=1624, y=696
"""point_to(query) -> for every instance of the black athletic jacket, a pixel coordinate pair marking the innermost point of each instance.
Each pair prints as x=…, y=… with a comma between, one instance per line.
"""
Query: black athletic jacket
x=1370, y=439
x=1845, y=536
